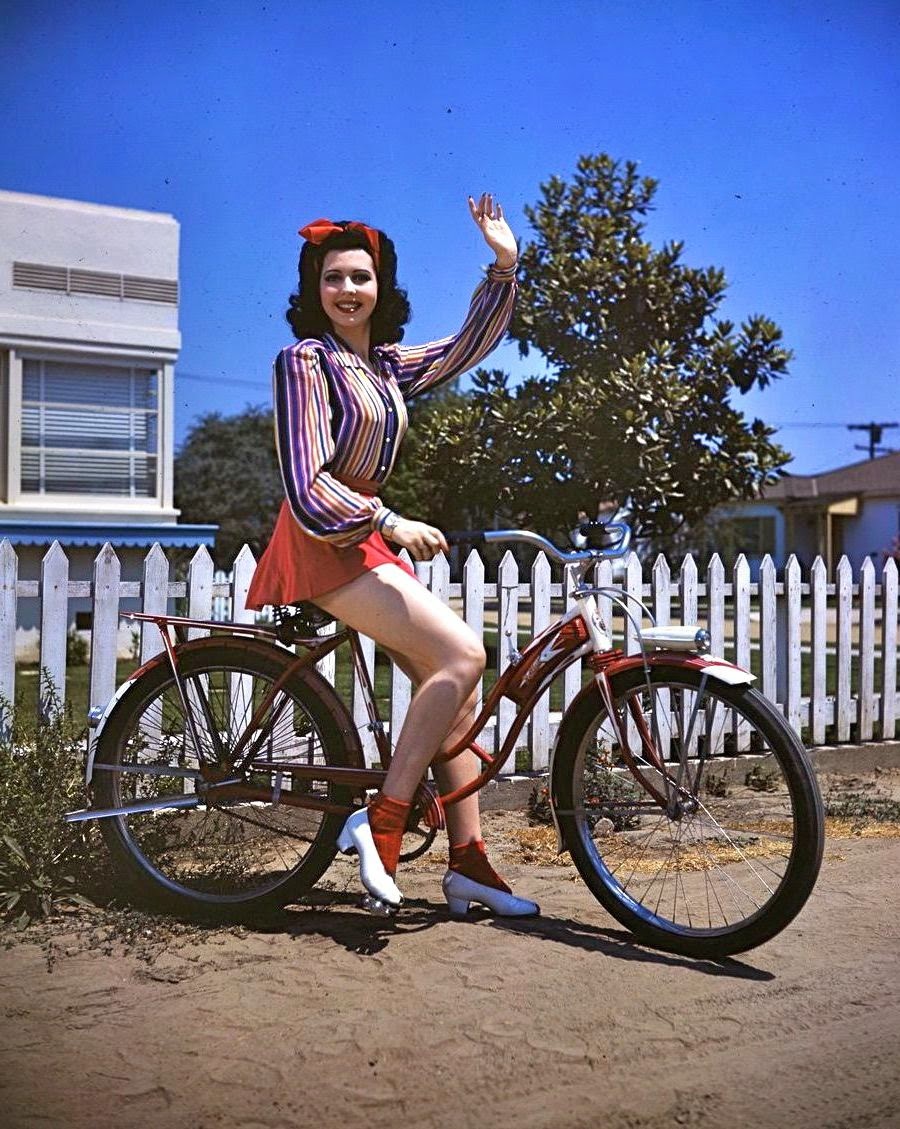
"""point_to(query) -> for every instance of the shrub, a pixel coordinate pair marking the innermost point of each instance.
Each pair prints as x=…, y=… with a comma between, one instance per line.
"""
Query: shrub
x=612, y=795
x=43, y=860
x=76, y=649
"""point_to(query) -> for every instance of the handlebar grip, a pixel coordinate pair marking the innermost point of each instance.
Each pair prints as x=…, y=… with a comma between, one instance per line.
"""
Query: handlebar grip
x=465, y=536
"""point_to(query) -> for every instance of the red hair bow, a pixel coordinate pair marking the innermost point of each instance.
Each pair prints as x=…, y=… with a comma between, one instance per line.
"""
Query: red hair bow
x=319, y=230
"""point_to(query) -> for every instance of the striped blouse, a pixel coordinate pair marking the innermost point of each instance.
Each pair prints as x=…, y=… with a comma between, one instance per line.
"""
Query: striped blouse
x=339, y=423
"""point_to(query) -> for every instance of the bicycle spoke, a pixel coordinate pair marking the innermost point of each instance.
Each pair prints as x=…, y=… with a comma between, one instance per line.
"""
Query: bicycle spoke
x=716, y=853
x=233, y=848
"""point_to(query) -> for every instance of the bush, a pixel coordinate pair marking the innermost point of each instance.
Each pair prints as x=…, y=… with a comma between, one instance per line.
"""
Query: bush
x=611, y=795
x=43, y=860
x=76, y=649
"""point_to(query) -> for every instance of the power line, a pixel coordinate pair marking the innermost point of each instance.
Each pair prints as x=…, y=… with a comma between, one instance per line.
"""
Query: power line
x=259, y=385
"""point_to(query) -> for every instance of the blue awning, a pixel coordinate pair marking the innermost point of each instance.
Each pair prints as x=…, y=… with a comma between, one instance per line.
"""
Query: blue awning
x=121, y=535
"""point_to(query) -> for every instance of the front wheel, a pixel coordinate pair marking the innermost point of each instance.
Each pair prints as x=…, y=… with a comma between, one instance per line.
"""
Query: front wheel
x=707, y=839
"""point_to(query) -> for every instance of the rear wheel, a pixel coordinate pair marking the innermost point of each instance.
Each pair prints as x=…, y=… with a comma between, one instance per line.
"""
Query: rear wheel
x=712, y=843
x=233, y=854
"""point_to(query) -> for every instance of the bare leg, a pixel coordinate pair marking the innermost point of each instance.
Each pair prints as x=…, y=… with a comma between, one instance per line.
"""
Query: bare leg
x=397, y=612
x=463, y=817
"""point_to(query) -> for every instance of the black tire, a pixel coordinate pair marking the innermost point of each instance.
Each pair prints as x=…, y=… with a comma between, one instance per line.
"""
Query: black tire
x=733, y=856
x=230, y=860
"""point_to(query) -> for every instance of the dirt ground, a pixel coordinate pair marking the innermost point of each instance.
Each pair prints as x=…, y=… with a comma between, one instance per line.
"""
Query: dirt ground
x=333, y=1017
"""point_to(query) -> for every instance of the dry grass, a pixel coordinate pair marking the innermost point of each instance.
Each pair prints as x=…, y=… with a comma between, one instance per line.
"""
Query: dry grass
x=851, y=828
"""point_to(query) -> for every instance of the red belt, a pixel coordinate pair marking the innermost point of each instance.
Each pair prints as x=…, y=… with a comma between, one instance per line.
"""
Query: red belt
x=361, y=485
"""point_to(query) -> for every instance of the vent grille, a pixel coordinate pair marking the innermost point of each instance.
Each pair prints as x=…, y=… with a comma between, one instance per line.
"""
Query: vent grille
x=72, y=280
x=150, y=289
x=35, y=277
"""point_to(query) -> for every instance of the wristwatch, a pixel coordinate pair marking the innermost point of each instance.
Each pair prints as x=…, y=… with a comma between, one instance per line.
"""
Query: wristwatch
x=389, y=525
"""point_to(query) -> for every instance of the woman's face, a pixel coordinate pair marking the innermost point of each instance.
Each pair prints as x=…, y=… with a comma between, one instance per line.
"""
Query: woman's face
x=348, y=288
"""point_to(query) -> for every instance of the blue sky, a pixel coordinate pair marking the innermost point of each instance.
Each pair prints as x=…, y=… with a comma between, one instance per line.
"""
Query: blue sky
x=773, y=128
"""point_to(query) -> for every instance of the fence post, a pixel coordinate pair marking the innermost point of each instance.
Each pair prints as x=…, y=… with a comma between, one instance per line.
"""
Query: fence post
x=473, y=603
x=767, y=629
x=819, y=614
x=540, y=619
x=199, y=590
x=866, y=712
x=889, y=649
x=661, y=583
x=634, y=587
x=687, y=587
x=241, y=576
x=715, y=603
x=842, y=704
x=507, y=639
x=54, y=592
x=104, y=626
x=9, y=569
x=740, y=581
x=790, y=647
x=155, y=600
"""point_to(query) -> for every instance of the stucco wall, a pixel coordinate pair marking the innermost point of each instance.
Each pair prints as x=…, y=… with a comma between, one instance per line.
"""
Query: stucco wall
x=872, y=530
x=68, y=233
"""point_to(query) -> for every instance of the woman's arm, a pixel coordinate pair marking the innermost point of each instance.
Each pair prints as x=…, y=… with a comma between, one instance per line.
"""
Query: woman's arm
x=322, y=506
x=421, y=367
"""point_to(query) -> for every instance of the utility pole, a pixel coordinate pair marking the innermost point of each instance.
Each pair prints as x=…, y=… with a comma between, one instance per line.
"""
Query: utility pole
x=875, y=431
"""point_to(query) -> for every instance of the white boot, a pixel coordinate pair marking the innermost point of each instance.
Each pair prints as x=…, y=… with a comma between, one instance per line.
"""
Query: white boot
x=460, y=891
x=357, y=833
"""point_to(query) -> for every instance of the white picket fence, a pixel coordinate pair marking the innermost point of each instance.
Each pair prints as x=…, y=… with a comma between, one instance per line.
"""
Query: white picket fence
x=787, y=627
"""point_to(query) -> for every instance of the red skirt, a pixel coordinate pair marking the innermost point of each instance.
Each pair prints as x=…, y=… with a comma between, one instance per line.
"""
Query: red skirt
x=298, y=567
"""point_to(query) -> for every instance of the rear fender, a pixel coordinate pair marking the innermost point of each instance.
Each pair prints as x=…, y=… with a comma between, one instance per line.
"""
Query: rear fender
x=210, y=642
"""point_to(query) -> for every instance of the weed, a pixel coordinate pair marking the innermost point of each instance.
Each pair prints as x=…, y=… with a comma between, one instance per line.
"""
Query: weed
x=716, y=784
x=43, y=860
x=862, y=809
x=607, y=794
x=760, y=780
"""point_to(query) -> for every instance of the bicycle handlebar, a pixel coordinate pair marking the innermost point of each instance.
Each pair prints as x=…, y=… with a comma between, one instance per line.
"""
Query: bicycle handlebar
x=562, y=556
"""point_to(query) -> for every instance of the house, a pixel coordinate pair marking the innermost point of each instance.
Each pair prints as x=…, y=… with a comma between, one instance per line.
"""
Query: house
x=853, y=510
x=88, y=342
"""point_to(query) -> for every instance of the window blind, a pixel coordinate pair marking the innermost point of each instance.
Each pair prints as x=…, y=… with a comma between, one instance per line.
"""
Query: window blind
x=89, y=429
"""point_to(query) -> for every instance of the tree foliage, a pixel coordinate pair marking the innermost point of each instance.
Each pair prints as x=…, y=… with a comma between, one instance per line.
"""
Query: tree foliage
x=640, y=404
x=227, y=472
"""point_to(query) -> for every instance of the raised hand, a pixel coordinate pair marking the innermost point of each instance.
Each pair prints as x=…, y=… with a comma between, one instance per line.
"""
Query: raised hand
x=488, y=215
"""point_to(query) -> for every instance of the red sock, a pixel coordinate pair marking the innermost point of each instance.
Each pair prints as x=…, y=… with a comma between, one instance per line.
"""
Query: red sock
x=387, y=819
x=470, y=859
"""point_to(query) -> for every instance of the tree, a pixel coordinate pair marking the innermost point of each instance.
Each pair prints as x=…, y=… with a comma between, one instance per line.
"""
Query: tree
x=639, y=404
x=227, y=472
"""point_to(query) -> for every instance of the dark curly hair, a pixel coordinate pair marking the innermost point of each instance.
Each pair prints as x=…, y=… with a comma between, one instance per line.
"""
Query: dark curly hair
x=392, y=311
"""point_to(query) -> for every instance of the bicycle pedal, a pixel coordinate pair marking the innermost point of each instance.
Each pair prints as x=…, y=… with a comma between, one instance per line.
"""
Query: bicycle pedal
x=376, y=906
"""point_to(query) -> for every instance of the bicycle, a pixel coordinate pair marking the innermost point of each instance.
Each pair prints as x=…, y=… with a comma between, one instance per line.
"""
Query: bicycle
x=223, y=770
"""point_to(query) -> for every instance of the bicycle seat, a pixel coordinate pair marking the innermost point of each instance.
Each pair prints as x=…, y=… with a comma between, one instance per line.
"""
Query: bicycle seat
x=294, y=621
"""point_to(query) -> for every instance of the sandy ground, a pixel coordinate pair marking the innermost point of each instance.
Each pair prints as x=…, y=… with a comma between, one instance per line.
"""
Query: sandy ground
x=333, y=1017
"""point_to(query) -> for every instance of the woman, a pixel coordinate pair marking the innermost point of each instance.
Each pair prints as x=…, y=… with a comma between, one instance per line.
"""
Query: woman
x=340, y=414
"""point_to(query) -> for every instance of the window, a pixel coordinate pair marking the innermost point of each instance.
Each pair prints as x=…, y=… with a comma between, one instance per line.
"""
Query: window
x=89, y=429
x=754, y=536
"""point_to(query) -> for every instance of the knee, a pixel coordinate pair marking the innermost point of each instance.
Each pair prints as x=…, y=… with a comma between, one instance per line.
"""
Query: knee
x=471, y=659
